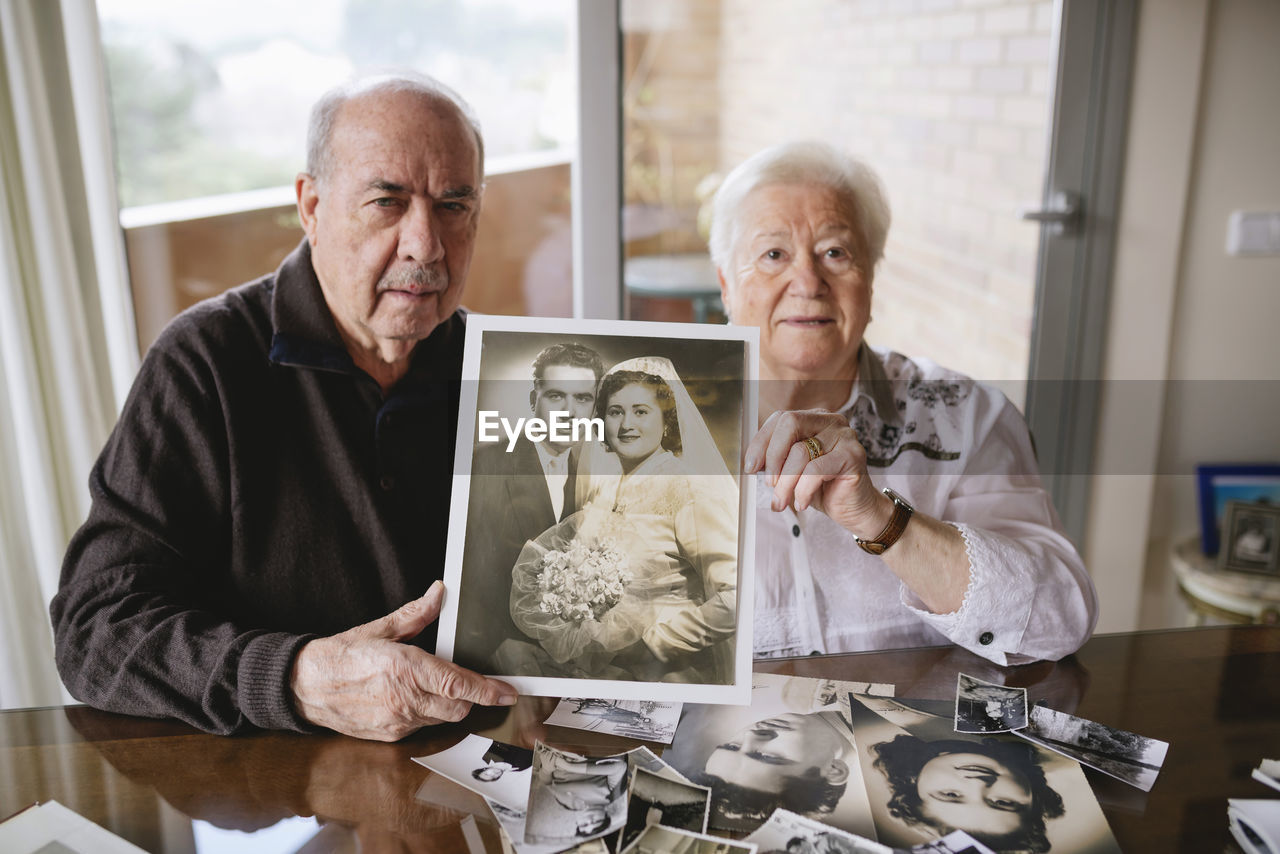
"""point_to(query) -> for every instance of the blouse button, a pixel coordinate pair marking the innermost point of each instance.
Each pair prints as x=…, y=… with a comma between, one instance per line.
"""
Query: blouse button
x=795, y=530
x=387, y=482
x=986, y=638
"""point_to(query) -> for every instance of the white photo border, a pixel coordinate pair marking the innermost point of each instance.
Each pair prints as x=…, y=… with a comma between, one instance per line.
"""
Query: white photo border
x=736, y=693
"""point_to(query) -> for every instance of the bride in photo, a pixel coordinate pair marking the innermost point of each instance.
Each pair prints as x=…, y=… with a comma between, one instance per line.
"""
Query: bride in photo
x=641, y=584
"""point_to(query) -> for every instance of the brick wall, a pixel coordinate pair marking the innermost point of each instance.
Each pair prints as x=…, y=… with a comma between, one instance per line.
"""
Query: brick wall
x=948, y=99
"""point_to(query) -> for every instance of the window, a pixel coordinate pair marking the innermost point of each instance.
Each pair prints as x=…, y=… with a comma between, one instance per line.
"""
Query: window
x=210, y=104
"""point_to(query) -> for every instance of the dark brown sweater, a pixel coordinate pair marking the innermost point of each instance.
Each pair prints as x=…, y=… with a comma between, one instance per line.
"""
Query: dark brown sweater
x=257, y=491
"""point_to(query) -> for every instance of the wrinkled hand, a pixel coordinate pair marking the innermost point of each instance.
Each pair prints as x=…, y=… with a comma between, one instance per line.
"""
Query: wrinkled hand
x=367, y=683
x=836, y=483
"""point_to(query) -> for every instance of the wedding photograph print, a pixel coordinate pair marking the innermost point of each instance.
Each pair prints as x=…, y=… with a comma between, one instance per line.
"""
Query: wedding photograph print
x=599, y=540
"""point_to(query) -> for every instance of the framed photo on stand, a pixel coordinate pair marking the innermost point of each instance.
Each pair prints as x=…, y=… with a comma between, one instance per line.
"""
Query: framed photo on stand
x=1257, y=483
x=1251, y=538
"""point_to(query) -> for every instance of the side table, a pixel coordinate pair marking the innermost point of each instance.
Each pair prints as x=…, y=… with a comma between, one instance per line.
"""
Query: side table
x=1236, y=597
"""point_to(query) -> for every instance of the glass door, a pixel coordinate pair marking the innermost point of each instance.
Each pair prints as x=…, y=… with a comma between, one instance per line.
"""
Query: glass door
x=978, y=117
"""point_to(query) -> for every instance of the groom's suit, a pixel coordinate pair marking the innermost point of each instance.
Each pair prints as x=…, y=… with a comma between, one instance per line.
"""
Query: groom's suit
x=509, y=504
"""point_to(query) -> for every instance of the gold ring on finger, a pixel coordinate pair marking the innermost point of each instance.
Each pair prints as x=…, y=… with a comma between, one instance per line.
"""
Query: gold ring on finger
x=814, y=447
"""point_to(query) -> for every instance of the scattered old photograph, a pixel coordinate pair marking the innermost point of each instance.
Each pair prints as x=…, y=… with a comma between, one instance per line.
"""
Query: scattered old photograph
x=646, y=720
x=1268, y=772
x=924, y=780
x=601, y=536
x=987, y=707
x=788, y=833
x=775, y=752
x=656, y=800
x=1133, y=758
x=512, y=824
x=573, y=798
x=657, y=839
x=643, y=757
x=956, y=842
x=500, y=772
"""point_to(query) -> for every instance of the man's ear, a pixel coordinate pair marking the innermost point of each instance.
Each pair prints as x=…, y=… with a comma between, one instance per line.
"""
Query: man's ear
x=533, y=399
x=308, y=197
x=835, y=772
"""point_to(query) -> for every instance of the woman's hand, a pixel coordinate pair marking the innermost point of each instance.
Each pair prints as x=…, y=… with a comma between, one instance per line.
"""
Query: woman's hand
x=835, y=483
x=930, y=557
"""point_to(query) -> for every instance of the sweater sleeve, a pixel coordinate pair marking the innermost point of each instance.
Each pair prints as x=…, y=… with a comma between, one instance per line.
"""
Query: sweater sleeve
x=141, y=619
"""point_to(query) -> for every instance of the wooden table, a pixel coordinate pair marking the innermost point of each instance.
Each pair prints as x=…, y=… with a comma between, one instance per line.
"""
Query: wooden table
x=1212, y=693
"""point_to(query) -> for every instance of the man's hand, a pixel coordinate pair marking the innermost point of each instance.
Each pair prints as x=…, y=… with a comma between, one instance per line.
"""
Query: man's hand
x=365, y=682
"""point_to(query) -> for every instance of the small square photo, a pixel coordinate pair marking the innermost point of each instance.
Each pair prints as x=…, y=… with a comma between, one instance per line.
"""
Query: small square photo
x=1251, y=538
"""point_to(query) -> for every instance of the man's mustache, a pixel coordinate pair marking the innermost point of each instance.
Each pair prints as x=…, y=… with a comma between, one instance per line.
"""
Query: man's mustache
x=415, y=280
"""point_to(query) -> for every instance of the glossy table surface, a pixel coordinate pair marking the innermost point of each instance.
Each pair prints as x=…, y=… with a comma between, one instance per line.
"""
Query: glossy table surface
x=1212, y=693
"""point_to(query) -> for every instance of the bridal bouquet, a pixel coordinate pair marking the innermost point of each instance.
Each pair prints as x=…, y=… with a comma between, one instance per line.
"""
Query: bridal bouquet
x=581, y=582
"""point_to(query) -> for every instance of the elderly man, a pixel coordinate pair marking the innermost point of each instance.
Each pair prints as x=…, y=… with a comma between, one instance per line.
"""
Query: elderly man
x=280, y=473
x=902, y=505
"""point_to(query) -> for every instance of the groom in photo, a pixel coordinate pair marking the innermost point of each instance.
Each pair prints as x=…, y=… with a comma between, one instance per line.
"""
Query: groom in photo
x=519, y=494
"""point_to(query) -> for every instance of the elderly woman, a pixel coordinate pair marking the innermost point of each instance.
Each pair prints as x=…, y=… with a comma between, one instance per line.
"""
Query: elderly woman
x=901, y=504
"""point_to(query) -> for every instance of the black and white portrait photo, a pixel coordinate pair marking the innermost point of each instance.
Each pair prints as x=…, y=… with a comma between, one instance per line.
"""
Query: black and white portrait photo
x=648, y=720
x=986, y=707
x=657, y=839
x=574, y=798
x=499, y=771
x=604, y=546
x=924, y=781
x=1127, y=756
x=657, y=800
x=774, y=753
x=788, y=833
x=1251, y=538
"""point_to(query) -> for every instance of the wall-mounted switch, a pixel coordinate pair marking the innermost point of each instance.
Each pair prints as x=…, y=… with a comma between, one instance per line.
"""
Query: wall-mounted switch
x=1253, y=233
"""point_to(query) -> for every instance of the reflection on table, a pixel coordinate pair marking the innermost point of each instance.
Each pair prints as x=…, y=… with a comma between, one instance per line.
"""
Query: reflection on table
x=1213, y=694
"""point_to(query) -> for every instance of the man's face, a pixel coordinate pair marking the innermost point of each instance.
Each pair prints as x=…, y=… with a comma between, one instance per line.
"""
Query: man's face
x=393, y=224
x=564, y=388
x=763, y=755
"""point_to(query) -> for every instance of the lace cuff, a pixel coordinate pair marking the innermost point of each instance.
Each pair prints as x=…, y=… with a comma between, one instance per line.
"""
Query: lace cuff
x=992, y=617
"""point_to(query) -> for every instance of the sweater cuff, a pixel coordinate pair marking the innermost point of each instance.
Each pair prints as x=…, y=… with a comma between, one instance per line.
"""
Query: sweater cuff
x=262, y=680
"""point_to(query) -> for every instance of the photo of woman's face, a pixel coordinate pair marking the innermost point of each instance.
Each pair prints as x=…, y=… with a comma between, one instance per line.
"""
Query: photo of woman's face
x=973, y=792
x=633, y=422
x=763, y=755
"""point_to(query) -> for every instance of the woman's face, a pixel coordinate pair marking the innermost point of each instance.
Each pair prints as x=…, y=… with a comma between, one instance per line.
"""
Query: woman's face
x=800, y=272
x=633, y=423
x=972, y=792
x=766, y=753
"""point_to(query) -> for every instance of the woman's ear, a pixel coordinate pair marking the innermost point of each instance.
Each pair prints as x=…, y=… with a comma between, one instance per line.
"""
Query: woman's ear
x=836, y=772
x=724, y=293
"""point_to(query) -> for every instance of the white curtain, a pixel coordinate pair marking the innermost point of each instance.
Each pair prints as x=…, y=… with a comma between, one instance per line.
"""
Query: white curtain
x=67, y=345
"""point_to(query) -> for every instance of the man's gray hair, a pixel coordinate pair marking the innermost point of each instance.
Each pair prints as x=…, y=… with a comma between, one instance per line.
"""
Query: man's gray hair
x=325, y=112
x=801, y=163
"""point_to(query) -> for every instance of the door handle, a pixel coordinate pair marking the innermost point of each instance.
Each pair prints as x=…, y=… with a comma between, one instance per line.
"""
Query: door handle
x=1062, y=214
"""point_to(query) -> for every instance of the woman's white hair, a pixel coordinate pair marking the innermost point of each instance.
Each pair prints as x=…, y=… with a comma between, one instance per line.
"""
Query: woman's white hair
x=325, y=111
x=801, y=162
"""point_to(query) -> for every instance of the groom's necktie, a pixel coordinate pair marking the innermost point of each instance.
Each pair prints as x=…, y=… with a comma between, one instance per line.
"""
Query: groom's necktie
x=570, y=486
